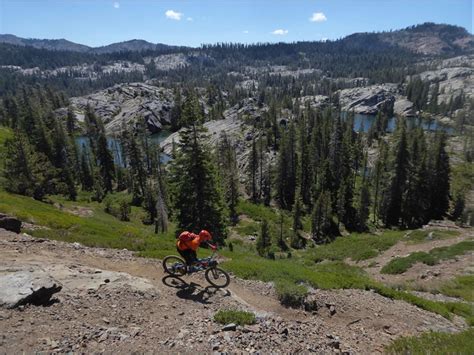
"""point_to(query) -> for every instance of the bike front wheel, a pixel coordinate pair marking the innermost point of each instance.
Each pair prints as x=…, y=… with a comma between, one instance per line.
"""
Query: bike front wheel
x=174, y=265
x=217, y=277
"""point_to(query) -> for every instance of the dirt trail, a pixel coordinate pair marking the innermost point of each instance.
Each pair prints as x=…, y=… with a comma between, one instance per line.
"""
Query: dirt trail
x=103, y=309
x=152, y=270
x=422, y=274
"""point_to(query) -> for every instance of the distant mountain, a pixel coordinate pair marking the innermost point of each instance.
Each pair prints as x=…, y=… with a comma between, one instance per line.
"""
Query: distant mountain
x=50, y=44
x=136, y=45
x=428, y=38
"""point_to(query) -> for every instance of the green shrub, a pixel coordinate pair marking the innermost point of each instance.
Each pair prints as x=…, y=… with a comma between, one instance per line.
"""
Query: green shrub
x=98, y=230
x=125, y=210
x=464, y=310
x=118, y=206
x=434, y=343
x=234, y=316
x=245, y=228
x=420, y=236
x=356, y=246
x=290, y=294
x=400, y=265
x=462, y=287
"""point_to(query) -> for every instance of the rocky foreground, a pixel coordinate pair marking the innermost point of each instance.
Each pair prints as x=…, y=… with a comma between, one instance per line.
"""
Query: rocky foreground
x=103, y=300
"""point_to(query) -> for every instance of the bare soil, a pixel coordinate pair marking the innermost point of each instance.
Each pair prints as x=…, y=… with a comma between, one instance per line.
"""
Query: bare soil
x=421, y=275
x=113, y=301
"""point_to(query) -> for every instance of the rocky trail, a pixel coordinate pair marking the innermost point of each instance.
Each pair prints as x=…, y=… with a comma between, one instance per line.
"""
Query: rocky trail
x=110, y=300
x=422, y=274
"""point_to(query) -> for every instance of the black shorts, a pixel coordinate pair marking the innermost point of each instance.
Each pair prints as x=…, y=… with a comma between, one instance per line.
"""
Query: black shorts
x=189, y=256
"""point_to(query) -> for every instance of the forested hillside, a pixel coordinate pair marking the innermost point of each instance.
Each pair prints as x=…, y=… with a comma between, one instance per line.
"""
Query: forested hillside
x=305, y=158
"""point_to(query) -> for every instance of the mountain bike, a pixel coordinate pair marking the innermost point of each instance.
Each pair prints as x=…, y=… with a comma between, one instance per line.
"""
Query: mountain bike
x=176, y=266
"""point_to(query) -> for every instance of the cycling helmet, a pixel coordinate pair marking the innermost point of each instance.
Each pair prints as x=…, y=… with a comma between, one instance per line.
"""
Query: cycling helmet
x=205, y=235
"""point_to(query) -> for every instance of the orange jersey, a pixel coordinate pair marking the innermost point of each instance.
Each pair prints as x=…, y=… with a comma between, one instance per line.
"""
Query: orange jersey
x=192, y=244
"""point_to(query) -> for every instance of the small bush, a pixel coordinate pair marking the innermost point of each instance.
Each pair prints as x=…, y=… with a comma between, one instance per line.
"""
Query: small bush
x=356, y=246
x=400, y=265
x=434, y=343
x=125, y=210
x=290, y=294
x=245, y=228
x=464, y=310
x=421, y=236
x=226, y=316
x=462, y=286
x=117, y=207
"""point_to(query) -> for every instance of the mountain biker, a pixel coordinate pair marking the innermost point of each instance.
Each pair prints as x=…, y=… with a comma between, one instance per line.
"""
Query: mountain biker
x=188, y=243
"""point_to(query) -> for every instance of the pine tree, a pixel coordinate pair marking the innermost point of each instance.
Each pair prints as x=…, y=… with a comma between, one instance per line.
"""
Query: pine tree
x=263, y=240
x=267, y=185
x=136, y=168
x=415, y=201
x=176, y=110
x=62, y=160
x=99, y=146
x=191, y=112
x=161, y=221
x=105, y=162
x=286, y=170
x=439, y=177
x=348, y=164
x=253, y=171
x=335, y=157
x=86, y=176
x=304, y=174
x=197, y=196
x=379, y=179
x=363, y=206
x=297, y=241
x=70, y=121
x=26, y=171
x=393, y=195
x=229, y=175
x=322, y=225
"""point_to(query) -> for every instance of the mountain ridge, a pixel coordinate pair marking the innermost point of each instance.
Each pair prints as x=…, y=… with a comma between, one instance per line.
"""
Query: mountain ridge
x=427, y=38
x=66, y=45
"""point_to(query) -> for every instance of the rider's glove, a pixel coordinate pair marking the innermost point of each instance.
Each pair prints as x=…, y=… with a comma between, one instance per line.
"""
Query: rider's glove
x=213, y=247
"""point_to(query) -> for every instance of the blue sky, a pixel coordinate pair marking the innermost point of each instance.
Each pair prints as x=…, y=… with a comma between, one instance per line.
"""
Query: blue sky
x=193, y=22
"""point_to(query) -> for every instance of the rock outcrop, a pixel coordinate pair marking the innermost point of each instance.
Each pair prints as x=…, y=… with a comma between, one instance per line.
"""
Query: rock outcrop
x=368, y=100
x=126, y=105
x=27, y=287
x=404, y=107
x=237, y=124
x=452, y=81
x=9, y=223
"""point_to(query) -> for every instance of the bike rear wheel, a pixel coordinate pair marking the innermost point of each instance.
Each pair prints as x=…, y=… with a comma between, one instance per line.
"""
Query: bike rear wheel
x=217, y=277
x=174, y=265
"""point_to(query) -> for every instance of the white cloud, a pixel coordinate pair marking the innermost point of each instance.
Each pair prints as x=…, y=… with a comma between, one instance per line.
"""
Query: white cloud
x=116, y=5
x=173, y=15
x=318, y=17
x=280, y=32
x=245, y=31
x=189, y=19
x=324, y=39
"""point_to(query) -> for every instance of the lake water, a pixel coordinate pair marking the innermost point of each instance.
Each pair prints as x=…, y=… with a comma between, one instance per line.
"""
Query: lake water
x=114, y=146
x=361, y=122
x=364, y=122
